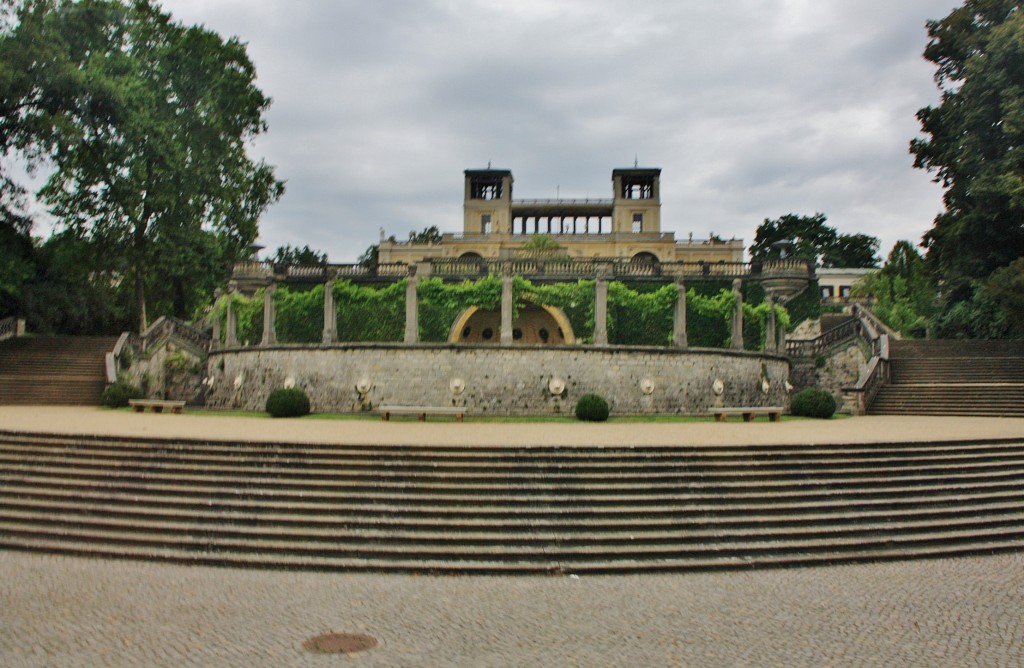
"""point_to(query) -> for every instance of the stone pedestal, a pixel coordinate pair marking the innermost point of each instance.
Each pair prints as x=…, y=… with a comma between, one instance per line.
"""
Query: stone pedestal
x=679, y=339
x=506, y=310
x=269, y=316
x=601, y=310
x=330, y=315
x=737, y=315
x=231, y=335
x=412, y=321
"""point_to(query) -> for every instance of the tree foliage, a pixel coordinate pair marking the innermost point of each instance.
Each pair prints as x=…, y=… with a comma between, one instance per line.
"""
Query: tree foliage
x=814, y=241
x=902, y=292
x=299, y=257
x=972, y=143
x=146, y=124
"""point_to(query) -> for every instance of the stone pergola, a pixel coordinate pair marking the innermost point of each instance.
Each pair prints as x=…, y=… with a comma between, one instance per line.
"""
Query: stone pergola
x=782, y=280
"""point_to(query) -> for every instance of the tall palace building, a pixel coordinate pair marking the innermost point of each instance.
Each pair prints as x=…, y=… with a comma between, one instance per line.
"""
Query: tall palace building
x=626, y=226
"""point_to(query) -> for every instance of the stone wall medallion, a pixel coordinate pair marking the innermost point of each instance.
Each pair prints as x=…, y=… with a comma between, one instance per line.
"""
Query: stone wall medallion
x=363, y=385
x=765, y=385
x=647, y=386
x=556, y=386
x=718, y=387
x=239, y=379
x=289, y=382
x=457, y=386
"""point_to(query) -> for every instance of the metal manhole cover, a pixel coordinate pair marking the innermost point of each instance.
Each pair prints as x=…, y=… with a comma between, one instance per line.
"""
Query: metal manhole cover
x=340, y=643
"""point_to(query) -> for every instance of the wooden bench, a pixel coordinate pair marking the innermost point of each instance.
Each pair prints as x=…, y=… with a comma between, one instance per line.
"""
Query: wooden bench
x=157, y=405
x=774, y=413
x=421, y=412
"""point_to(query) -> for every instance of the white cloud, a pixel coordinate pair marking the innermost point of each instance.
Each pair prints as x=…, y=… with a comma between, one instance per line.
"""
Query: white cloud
x=752, y=109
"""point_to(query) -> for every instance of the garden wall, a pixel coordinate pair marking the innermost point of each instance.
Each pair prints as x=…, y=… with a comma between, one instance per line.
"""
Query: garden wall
x=498, y=380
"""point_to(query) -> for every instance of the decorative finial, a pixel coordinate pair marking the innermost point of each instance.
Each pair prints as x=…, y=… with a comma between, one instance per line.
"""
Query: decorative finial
x=636, y=161
x=488, y=164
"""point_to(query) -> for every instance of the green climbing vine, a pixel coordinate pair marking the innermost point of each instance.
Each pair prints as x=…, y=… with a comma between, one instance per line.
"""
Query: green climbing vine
x=638, y=314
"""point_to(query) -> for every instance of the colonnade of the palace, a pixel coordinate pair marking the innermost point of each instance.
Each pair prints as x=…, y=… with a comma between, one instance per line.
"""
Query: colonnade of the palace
x=679, y=340
x=561, y=225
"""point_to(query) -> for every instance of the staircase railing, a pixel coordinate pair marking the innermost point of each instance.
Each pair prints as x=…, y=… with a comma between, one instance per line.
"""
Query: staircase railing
x=130, y=344
x=837, y=336
x=877, y=372
x=11, y=327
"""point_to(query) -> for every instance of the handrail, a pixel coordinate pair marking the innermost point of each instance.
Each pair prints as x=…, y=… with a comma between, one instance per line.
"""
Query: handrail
x=877, y=372
x=165, y=326
x=848, y=331
x=578, y=268
x=11, y=328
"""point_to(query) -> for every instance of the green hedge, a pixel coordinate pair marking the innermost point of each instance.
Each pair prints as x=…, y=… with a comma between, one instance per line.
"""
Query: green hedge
x=638, y=313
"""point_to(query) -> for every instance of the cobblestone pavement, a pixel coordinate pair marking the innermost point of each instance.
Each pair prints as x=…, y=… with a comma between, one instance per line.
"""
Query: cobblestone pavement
x=60, y=611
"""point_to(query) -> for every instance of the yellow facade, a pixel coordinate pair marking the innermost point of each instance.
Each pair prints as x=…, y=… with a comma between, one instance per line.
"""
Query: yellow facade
x=626, y=226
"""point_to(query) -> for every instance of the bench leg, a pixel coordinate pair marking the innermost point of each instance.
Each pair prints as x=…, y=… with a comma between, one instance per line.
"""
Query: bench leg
x=139, y=409
x=422, y=417
x=775, y=417
x=158, y=409
x=458, y=417
x=748, y=417
x=719, y=417
x=386, y=417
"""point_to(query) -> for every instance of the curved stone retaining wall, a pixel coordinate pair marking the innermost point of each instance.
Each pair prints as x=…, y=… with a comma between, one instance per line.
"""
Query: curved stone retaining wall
x=498, y=380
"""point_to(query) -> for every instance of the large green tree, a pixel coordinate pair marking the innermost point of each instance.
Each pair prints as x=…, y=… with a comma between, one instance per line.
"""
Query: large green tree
x=147, y=124
x=972, y=143
x=814, y=240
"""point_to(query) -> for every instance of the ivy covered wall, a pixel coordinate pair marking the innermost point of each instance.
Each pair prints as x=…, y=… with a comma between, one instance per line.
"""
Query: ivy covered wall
x=638, y=313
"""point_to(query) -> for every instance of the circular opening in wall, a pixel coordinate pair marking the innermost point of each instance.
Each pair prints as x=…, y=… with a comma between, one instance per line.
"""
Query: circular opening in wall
x=340, y=643
x=517, y=334
x=487, y=334
x=544, y=335
x=466, y=331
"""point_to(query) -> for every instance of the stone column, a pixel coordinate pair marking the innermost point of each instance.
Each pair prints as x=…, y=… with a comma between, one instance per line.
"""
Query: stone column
x=269, y=316
x=737, y=315
x=769, y=327
x=330, y=315
x=231, y=336
x=218, y=294
x=679, y=321
x=506, y=309
x=412, y=311
x=601, y=308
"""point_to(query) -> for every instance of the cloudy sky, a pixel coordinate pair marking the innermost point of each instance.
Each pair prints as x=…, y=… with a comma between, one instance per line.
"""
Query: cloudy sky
x=752, y=108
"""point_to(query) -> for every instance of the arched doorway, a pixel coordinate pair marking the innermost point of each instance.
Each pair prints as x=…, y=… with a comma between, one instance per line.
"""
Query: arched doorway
x=535, y=325
x=645, y=257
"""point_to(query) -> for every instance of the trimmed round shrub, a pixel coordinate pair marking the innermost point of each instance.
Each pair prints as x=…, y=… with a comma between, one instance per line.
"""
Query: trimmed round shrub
x=814, y=403
x=592, y=408
x=116, y=395
x=288, y=402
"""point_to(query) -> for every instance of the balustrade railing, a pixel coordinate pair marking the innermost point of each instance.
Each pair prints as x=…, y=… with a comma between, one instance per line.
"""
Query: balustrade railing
x=532, y=266
x=11, y=327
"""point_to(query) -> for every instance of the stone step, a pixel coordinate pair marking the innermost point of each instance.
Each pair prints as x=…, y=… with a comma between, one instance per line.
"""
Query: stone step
x=239, y=516
x=417, y=498
x=198, y=450
x=284, y=553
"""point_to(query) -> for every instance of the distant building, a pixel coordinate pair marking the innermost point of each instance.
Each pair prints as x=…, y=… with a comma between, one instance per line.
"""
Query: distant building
x=627, y=226
x=837, y=284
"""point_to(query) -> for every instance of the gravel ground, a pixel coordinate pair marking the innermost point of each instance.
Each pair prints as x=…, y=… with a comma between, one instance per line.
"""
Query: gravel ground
x=61, y=611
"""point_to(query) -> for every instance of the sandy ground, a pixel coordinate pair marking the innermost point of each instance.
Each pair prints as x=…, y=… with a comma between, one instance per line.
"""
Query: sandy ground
x=87, y=420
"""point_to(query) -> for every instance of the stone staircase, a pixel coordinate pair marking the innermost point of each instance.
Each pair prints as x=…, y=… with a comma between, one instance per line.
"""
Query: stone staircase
x=983, y=378
x=40, y=370
x=507, y=510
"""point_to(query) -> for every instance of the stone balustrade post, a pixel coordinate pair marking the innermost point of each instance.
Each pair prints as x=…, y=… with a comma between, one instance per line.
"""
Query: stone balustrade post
x=330, y=315
x=737, y=315
x=769, y=328
x=412, y=310
x=218, y=294
x=269, y=316
x=679, y=317
x=506, y=309
x=601, y=308
x=231, y=336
